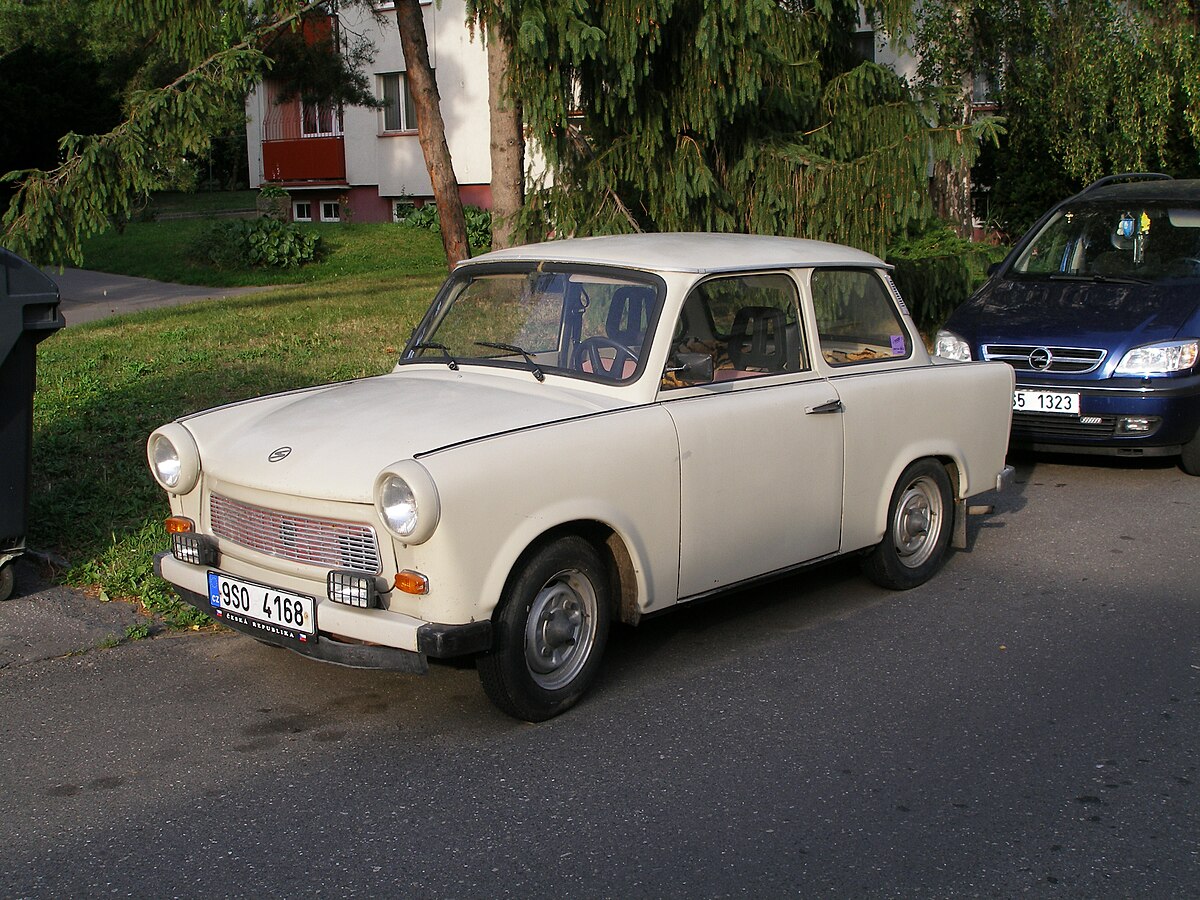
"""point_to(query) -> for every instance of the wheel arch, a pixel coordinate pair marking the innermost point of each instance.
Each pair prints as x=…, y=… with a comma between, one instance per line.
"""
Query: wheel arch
x=614, y=551
x=948, y=460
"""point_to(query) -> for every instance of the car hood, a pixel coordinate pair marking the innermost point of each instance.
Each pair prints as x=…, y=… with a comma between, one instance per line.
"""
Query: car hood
x=1074, y=313
x=330, y=442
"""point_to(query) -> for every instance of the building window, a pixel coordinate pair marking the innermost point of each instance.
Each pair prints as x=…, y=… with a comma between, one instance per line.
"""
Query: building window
x=302, y=211
x=331, y=211
x=320, y=120
x=399, y=114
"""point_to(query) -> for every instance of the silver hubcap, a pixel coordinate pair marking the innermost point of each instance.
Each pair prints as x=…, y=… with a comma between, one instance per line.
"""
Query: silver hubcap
x=917, y=522
x=561, y=629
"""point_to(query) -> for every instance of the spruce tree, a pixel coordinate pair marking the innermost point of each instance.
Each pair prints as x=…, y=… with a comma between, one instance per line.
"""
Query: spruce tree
x=723, y=115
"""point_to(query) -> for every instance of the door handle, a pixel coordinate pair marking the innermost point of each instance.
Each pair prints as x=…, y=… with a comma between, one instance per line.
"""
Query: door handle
x=829, y=406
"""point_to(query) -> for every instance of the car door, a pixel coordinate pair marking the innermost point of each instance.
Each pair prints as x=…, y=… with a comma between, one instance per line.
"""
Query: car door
x=760, y=447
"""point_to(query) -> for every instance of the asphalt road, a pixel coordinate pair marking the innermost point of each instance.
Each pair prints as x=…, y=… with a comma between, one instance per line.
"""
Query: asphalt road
x=1026, y=723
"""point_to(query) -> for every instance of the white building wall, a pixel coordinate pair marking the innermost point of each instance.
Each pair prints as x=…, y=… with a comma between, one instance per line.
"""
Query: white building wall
x=394, y=161
x=459, y=60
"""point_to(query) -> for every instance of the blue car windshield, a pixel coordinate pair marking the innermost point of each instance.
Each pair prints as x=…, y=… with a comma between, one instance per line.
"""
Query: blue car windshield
x=1116, y=241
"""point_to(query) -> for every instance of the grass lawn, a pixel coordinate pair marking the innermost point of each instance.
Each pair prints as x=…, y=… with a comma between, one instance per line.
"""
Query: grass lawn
x=168, y=202
x=159, y=250
x=103, y=387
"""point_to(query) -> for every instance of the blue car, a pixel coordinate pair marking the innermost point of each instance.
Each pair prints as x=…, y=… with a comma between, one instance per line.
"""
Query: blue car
x=1097, y=309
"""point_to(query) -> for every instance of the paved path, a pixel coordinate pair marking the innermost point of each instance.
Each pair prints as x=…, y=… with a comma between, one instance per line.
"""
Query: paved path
x=87, y=296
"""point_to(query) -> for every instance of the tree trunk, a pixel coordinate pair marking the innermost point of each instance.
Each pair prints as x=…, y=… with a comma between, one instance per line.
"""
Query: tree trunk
x=431, y=130
x=508, y=145
x=950, y=187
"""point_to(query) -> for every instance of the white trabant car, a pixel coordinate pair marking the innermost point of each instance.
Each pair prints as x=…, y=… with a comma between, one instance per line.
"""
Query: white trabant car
x=580, y=432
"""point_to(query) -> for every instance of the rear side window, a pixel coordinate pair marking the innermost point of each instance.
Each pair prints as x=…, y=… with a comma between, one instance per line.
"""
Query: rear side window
x=857, y=319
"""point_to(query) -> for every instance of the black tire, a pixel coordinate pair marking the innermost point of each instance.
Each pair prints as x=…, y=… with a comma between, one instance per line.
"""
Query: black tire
x=7, y=580
x=919, y=524
x=551, y=628
x=1189, y=459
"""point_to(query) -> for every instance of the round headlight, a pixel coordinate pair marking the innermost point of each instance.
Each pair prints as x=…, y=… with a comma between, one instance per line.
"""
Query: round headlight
x=174, y=459
x=407, y=501
x=398, y=506
x=164, y=459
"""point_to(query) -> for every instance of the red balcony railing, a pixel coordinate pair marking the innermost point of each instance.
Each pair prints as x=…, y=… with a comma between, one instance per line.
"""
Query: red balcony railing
x=305, y=159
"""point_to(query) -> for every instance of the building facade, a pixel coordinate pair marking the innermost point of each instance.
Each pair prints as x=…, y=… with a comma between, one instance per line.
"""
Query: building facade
x=358, y=163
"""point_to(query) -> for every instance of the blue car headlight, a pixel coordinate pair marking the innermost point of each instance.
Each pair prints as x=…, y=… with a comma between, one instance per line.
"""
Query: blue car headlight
x=949, y=345
x=1164, y=358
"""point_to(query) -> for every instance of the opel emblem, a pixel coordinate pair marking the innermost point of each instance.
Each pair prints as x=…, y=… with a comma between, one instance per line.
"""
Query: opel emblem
x=1040, y=359
x=279, y=455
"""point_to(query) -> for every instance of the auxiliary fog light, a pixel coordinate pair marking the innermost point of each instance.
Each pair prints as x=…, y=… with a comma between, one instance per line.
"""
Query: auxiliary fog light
x=189, y=547
x=359, y=589
x=1136, y=424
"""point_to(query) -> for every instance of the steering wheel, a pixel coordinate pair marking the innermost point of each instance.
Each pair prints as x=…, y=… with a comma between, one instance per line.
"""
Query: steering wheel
x=588, y=357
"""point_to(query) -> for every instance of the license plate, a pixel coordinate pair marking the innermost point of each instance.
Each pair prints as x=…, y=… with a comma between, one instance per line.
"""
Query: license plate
x=1046, y=402
x=262, y=607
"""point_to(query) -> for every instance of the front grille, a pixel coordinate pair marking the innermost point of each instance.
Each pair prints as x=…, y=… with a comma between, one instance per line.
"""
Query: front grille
x=1030, y=426
x=1076, y=360
x=302, y=539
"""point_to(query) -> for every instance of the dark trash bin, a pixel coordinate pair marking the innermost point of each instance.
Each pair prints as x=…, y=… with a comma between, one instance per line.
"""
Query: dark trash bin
x=28, y=314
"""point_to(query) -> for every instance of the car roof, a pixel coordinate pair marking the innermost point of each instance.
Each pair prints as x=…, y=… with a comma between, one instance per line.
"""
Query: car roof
x=697, y=252
x=1164, y=190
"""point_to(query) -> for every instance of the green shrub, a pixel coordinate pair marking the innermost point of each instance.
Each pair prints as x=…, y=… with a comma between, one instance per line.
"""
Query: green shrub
x=479, y=222
x=937, y=270
x=251, y=243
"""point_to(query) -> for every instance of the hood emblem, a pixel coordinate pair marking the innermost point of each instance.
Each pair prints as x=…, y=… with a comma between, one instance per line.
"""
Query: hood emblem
x=1040, y=359
x=280, y=454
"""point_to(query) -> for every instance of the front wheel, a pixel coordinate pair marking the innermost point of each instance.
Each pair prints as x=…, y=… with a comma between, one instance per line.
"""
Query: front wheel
x=1189, y=459
x=920, y=520
x=7, y=580
x=551, y=628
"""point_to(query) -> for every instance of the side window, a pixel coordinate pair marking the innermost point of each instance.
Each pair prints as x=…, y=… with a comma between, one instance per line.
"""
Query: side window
x=857, y=320
x=747, y=324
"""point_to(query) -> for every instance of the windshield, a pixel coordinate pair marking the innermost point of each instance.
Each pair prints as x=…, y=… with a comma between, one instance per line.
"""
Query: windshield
x=578, y=322
x=1116, y=241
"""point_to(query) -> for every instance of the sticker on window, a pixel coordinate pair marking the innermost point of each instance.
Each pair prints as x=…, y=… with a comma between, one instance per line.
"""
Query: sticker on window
x=898, y=345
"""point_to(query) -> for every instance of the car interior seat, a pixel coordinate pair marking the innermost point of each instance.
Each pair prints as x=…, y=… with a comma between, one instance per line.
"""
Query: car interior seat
x=758, y=339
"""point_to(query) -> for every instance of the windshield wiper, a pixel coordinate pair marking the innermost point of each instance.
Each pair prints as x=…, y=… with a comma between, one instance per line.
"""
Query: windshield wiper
x=512, y=348
x=431, y=345
x=1099, y=278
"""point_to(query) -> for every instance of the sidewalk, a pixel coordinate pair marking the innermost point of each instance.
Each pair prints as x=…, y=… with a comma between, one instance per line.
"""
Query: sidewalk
x=86, y=296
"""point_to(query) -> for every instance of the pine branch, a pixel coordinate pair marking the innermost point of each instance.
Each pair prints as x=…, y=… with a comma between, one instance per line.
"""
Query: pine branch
x=104, y=177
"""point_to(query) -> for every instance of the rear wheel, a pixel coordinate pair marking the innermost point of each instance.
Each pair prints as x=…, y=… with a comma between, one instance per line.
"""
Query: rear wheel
x=920, y=520
x=551, y=629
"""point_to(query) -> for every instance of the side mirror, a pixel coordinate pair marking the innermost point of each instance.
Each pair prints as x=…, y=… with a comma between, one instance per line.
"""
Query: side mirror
x=994, y=268
x=692, y=368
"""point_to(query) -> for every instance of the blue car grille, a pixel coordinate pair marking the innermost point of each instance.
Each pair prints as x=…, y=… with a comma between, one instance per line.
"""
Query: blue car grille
x=310, y=541
x=1047, y=426
x=1075, y=360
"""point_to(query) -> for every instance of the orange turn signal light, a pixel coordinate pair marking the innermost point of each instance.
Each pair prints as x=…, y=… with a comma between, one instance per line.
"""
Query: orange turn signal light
x=179, y=525
x=412, y=582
